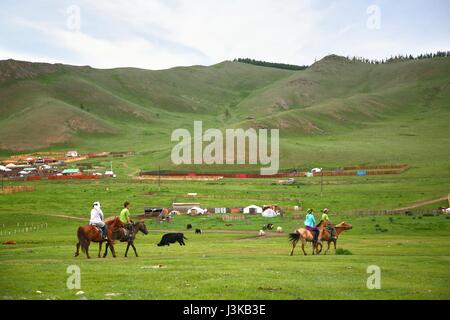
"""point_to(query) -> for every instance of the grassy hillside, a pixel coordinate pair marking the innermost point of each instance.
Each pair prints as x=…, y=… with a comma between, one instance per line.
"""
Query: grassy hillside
x=336, y=112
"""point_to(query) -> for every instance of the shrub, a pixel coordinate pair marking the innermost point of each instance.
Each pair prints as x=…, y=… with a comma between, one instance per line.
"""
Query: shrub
x=428, y=215
x=341, y=251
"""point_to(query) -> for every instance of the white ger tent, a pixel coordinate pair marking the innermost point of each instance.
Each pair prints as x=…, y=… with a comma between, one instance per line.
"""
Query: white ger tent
x=253, y=209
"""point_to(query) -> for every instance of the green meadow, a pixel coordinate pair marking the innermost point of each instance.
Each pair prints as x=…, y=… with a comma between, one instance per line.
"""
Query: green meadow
x=227, y=262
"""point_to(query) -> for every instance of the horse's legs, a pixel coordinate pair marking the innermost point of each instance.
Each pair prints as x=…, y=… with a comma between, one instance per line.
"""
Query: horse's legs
x=134, y=248
x=106, y=250
x=112, y=250
x=328, y=248
x=128, y=247
x=100, y=244
x=294, y=243
x=303, y=248
x=334, y=242
x=77, y=252
x=87, y=250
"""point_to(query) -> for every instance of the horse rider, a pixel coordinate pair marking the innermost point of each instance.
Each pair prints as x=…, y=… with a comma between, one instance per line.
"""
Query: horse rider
x=125, y=218
x=310, y=223
x=328, y=224
x=98, y=219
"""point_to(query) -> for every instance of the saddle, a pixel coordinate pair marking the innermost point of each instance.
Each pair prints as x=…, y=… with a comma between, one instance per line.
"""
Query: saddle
x=97, y=229
x=121, y=234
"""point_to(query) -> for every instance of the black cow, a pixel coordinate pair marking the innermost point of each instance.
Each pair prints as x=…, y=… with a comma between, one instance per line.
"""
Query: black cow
x=169, y=238
x=198, y=231
x=189, y=226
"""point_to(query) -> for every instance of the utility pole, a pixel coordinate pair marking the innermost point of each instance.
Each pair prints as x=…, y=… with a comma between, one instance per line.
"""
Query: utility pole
x=159, y=178
x=321, y=182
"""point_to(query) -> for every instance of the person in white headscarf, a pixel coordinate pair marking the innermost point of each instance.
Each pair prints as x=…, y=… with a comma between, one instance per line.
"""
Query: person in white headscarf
x=98, y=219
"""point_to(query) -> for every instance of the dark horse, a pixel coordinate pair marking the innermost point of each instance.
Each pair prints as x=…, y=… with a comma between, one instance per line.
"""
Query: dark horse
x=122, y=236
x=90, y=233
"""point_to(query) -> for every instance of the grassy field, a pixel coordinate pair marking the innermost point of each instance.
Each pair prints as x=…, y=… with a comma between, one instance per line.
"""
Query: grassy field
x=227, y=262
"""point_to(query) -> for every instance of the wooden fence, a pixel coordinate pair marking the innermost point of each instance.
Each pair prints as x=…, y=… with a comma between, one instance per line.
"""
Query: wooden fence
x=15, y=189
x=234, y=217
x=395, y=212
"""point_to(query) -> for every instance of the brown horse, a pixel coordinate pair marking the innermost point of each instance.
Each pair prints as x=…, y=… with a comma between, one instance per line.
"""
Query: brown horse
x=326, y=236
x=122, y=236
x=90, y=233
x=304, y=235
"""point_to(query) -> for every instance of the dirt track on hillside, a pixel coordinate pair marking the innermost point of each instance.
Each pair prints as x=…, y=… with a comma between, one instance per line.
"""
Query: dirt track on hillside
x=423, y=203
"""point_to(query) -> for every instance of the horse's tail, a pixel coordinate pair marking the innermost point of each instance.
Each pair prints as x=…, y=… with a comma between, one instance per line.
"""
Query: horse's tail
x=295, y=236
x=82, y=239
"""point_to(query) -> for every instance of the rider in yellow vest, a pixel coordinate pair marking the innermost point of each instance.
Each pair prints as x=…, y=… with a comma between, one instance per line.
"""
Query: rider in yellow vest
x=329, y=225
x=126, y=219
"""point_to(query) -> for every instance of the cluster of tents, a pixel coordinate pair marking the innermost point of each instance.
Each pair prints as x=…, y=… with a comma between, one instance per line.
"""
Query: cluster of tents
x=265, y=211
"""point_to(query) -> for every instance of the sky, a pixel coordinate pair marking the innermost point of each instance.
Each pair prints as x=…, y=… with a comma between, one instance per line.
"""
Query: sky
x=160, y=34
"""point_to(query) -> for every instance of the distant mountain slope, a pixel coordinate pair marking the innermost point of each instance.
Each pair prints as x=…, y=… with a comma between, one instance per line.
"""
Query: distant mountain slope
x=62, y=101
x=44, y=105
x=335, y=93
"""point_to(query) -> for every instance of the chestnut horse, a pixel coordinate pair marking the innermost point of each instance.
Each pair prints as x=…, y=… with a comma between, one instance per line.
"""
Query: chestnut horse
x=326, y=236
x=304, y=235
x=89, y=233
x=123, y=237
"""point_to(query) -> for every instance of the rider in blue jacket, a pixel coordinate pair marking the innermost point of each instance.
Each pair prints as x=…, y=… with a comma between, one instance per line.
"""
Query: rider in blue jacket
x=310, y=223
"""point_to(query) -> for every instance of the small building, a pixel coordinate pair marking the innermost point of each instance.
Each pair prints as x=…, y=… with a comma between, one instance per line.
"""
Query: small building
x=196, y=210
x=253, y=209
x=153, y=212
x=110, y=173
x=71, y=172
x=72, y=154
x=184, y=207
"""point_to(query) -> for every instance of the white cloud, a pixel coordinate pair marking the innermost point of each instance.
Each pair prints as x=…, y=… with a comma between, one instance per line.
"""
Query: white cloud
x=159, y=34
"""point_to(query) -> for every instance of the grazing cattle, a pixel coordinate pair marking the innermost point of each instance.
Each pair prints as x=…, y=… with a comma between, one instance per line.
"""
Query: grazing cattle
x=279, y=229
x=189, y=226
x=261, y=233
x=169, y=238
x=268, y=226
x=198, y=231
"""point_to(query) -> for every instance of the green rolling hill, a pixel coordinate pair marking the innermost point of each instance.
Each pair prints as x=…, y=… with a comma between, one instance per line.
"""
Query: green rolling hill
x=336, y=112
